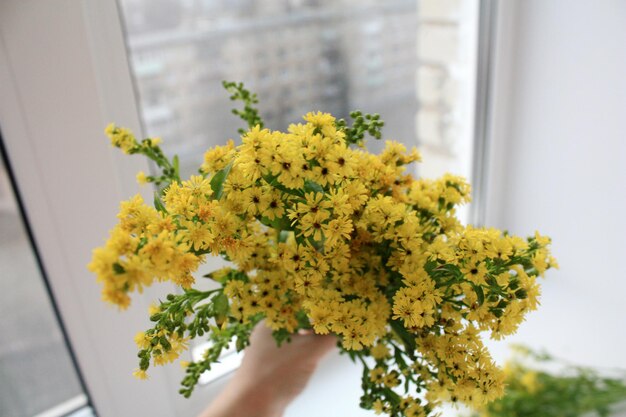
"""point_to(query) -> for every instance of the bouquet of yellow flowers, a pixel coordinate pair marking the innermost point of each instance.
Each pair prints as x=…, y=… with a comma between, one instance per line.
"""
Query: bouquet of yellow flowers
x=323, y=235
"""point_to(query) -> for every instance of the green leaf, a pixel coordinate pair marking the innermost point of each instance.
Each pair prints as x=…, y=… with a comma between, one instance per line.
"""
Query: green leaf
x=478, y=289
x=281, y=336
x=220, y=304
x=303, y=320
x=311, y=186
x=392, y=396
x=273, y=181
x=212, y=275
x=278, y=224
x=397, y=355
x=217, y=182
x=407, y=339
x=142, y=242
x=118, y=269
x=158, y=204
x=365, y=375
x=430, y=266
x=176, y=165
x=222, y=278
x=318, y=245
x=241, y=343
x=300, y=239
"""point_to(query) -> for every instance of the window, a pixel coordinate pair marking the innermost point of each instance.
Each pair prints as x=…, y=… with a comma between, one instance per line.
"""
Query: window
x=298, y=56
x=37, y=371
x=414, y=62
x=67, y=66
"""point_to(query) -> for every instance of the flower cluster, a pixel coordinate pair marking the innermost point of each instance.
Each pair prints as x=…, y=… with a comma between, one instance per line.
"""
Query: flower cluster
x=325, y=235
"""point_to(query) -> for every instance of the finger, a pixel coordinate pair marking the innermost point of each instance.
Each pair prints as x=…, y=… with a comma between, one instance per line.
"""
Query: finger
x=315, y=343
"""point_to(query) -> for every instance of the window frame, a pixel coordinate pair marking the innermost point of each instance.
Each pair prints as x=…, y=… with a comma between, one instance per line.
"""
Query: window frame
x=64, y=75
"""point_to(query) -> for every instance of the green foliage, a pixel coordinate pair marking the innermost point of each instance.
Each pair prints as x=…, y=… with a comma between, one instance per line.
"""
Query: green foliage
x=220, y=339
x=217, y=182
x=368, y=123
x=249, y=114
x=173, y=312
x=169, y=169
x=533, y=391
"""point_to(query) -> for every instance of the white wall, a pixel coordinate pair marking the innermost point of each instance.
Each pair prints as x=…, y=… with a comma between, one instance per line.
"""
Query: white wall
x=560, y=133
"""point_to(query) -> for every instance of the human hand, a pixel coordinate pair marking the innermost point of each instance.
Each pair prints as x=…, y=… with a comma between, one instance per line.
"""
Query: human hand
x=270, y=377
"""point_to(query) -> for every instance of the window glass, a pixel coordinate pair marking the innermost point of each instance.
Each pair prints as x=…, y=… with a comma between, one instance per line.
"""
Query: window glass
x=297, y=55
x=411, y=61
x=36, y=371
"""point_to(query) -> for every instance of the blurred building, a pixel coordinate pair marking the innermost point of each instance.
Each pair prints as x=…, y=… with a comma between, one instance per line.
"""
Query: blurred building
x=297, y=55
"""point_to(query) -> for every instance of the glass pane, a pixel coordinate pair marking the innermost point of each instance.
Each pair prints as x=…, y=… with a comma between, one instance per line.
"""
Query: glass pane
x=297, y=55
x=36, y=372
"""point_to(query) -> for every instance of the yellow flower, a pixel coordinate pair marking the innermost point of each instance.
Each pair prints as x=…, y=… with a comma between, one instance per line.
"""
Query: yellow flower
x=336, y=230
x=142, y=178
x=198, y=235
x=142, y=340
x=216, y=158
x=379, y=407
x=380, y=351
x=320, y=119
x=135, y=216
x=340, y=162
x=392, y=153
x=391, y=379
x=255, y=201
x=254, y=162
x=475, y=272
x=529, y=381
x=121, y=137
x=286, y=166
x=311, y=224
x=275, y=207
x=199, y=188
x=140, y=374
x=377, y=375
x=154, y=309
x=154, y=142
x=318, y=233
x=321, y=315
x=540, y=261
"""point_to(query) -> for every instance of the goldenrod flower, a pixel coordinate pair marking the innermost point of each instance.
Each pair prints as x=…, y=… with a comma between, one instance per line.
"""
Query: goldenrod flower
x=329, y=237
x=140, y=374
x=142, y=178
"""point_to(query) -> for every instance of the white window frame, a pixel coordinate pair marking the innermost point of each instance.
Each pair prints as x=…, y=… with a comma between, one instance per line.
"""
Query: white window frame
x=64, y=76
